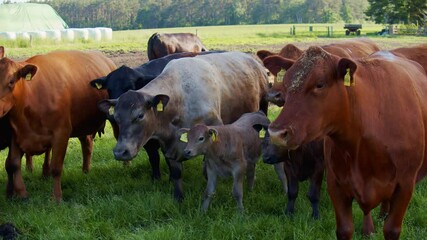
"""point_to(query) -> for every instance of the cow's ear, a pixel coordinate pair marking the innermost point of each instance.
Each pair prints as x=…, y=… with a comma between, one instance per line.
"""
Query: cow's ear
x=213, y=133
x=261, y=129
x=27, y=72
x=276, y=63
x=1, y=52
x=159, y=102
x=99, y=83
x=346, y=70
x=183, y=134
x=107, y=106
x=262, y=54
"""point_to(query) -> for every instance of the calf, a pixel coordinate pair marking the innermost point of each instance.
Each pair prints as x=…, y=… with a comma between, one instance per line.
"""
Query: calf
x=162, y=44
x=229, y=150
x=303, y=163
x=364, y=107
x=48, y=99
x=210, y=89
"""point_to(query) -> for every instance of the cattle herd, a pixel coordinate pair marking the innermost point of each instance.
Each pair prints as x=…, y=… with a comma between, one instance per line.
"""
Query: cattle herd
x=346, y=111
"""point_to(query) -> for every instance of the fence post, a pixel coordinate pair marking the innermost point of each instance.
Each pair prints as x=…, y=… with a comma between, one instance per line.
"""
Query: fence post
x=293, y=29
x=310, y=28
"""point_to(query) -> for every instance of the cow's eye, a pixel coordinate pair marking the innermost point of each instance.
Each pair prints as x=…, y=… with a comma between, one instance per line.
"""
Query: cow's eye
x=140, y=116
x=11, y=83
x=320, y=85
x=201, y=139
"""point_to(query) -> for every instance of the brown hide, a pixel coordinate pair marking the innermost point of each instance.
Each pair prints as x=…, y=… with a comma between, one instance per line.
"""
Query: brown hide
x=162, y=44
x=358, y=48
x=55, y=104
x=416, y=53
x=371, y=155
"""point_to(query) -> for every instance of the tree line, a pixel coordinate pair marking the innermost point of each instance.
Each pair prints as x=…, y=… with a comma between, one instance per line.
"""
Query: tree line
x=135, y=14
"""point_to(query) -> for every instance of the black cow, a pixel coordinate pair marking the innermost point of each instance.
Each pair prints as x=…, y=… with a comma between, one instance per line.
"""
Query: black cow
x=304, y=163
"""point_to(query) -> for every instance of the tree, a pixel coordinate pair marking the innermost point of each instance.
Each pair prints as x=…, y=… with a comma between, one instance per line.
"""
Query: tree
x=398, y=11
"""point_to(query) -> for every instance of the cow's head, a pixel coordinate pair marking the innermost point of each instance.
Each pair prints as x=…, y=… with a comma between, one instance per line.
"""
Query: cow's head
x=271, y=154
x=137, y=115
x=10, y=74
x=199, y=138
x=315, y=96
x=118, y=81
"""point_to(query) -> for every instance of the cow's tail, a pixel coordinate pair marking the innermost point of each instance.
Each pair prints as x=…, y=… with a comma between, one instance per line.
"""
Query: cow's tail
x=150, y=46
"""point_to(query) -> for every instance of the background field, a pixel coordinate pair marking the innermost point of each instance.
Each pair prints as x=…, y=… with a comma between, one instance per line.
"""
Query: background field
x=118, y=202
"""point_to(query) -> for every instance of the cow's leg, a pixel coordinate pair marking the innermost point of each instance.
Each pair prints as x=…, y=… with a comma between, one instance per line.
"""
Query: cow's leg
x=87, y=146
x=368, y=227
x=250, y=174
x=15, y=182
x=278, y=167
x=343, y=210
x=398, y=205
x=293, y=188
x=59, y=148
x=175, y=169
x=210, y=189
x=46, y=164
x=385, y=208
x=314, y=191
x=238, y=188
x=152, y=149
x=29, y=163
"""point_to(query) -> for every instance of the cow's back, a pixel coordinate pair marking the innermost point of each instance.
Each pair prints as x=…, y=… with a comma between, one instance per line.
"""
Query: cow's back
x=417, y=54
x=60, y=90
x=230, y=83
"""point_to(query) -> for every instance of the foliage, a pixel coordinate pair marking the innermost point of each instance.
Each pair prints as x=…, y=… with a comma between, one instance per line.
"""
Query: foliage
x=133, y=14
x=398, y=11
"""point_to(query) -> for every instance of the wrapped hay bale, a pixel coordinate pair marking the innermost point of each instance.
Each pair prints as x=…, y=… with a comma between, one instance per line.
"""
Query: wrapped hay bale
x=95, y=34
x=80, y=34
x=7, y=36
x=54, y=35
x=106, y=33
x=67, y=35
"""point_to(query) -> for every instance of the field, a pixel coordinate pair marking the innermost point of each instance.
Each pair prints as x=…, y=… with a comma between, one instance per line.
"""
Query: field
x=114, y=201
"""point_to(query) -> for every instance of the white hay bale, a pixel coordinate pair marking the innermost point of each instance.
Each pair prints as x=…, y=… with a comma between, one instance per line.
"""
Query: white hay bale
x=7, y=35
x=54, y=35
x=23, y=35
x=94, y=34
x=80, y=34
x=39, y=35
x=67, y=35
x=107, y=33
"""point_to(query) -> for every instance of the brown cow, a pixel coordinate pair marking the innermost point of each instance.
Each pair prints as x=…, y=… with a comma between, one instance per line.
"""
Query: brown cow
x=210, y=89
x=229, y=150
x=352, y=48
x=371, y=155
x=162, y=44
x=416, y=53
x=6, y=138
x=58, y=103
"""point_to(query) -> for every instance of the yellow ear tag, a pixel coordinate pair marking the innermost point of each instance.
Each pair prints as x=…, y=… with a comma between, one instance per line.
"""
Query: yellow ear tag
x=98, y=85
x=160, y=107
x=111, y=110
x=347, y=82
x=184, y=137
x=280, y=75
x=28, y=77
x=262, y=133
x=214, y=137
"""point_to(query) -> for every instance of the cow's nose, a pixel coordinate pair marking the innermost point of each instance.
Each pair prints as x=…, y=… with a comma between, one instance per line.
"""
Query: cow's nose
x=122, y=154
x=187, y=153
x=280, y=137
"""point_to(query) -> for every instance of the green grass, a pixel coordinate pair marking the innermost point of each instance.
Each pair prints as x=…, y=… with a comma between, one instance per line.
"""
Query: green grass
x=118, y=202
x=238, y=37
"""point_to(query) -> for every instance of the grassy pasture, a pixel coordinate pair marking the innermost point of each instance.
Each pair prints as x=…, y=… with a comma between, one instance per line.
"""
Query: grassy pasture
x=118, y=202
